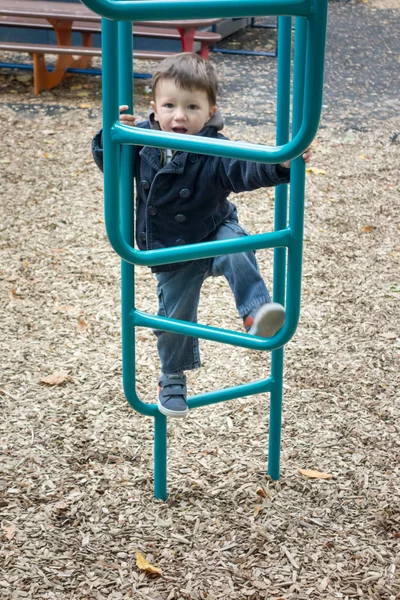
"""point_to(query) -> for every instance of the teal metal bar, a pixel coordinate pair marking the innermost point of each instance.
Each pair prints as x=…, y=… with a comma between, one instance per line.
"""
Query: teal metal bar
x=166, y=256
x=280, y=222
x=247, y=389
x=206, y=332
x=160, y=456
x=287, y=237
x=196, y=9
x=125, y=96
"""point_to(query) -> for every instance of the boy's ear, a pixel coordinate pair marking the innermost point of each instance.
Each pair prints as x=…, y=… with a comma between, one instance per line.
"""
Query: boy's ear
x=213, y=110
x=153, y=106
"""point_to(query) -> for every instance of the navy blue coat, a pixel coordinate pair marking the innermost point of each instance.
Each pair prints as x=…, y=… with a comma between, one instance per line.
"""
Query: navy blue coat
x=184, y=201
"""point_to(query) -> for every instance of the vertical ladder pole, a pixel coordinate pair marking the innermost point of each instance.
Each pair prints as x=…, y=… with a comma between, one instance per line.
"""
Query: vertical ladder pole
x=125, y=96
x=298, y=171
x=280, y=222
x=125, y=89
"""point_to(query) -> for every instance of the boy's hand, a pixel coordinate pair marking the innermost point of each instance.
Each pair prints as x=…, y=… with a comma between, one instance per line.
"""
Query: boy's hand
x=126, y=119
x=306, y=156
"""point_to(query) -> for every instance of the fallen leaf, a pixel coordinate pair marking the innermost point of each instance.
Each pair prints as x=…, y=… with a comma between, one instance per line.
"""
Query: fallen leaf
x=367, y=229
x=257, y=509
x=261, y=492
x=56, y=378
x=16, y=293
x=315, y=171
x=143, y=565
x=76, y=86
x=315, y=474
x=82, y=94
x=85, y=105
x=82, y=325
x=9, y=532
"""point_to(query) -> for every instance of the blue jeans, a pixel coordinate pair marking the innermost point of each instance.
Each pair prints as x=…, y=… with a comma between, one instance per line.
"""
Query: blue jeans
x=179, y=293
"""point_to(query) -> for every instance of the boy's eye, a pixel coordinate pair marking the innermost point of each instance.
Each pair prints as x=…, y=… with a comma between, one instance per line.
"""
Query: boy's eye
x=192, y=106
x=168, y=105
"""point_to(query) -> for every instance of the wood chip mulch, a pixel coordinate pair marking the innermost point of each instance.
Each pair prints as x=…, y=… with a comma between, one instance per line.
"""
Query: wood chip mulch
x=78, y=518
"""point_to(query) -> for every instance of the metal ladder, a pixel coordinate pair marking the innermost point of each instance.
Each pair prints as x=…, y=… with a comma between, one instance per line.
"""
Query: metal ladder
x=293, y=135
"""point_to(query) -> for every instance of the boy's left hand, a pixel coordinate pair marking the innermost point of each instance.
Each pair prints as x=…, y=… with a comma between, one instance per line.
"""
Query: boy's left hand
x=306, y=156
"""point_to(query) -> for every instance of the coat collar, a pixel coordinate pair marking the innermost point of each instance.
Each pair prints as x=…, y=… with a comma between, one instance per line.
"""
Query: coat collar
x=153, y=155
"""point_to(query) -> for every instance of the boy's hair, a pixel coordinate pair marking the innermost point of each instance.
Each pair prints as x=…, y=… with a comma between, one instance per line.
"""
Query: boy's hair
x=190, y=72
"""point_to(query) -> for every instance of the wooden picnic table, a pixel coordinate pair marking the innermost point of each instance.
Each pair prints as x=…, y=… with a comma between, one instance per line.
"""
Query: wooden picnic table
x=61, y=15
x=65, y=17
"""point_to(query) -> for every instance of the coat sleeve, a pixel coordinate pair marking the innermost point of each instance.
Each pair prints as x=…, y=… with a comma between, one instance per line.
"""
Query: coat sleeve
x=97, y=149
x=97, y=144
x=234, y=175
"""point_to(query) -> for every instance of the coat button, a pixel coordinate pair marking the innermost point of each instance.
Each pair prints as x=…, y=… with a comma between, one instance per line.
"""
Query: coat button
x=180, y=242
x=180, y=218
x=145, y=184
x=185, y=193
x=193, y=158
x=152, y=210
x=143, y=236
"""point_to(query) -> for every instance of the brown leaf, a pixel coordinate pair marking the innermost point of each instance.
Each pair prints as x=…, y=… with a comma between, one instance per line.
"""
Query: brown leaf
x=315, y=474
x=56, y=378
x=257, y=509
x=82, y=325
x=143, y=565
x=9, y=532
x=16, y=293
x=368, y=229
x=261, y=492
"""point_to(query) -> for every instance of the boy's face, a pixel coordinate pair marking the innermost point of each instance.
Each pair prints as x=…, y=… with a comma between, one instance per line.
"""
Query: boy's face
x=181, y=111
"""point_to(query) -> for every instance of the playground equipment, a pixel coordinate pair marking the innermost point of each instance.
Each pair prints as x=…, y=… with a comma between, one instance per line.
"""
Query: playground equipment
x=287, y=237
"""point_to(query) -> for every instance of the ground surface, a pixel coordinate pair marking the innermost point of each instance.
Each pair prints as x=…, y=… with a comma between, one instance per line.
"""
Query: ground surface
x=76, y=497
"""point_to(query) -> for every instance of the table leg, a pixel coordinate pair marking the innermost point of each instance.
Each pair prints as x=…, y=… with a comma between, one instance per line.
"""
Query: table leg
x=63, y=31
x=187, y=38
x=43, y=78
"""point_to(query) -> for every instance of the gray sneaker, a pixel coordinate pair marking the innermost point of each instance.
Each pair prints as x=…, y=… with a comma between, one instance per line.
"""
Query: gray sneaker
x=268, y=320
x=172, y=396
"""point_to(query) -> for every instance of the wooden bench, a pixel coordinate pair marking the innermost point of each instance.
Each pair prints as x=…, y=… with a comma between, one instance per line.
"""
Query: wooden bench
x=206, y=38
x=43, y=78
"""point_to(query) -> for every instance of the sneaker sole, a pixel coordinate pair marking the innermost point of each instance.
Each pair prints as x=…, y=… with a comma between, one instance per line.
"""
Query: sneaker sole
x=177, y=414
x=269, y=320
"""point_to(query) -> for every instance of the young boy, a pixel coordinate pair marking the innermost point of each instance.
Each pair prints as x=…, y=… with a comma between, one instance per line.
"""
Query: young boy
x=182, y=198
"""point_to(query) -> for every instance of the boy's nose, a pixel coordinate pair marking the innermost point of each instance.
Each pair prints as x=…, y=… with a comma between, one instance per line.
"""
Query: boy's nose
x=180, y=114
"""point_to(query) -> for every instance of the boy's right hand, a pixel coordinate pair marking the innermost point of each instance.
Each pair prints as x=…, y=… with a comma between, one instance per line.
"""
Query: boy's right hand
x=126, y=119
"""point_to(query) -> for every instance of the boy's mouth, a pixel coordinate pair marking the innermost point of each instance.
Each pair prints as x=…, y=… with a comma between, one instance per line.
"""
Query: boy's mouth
x=179, y=129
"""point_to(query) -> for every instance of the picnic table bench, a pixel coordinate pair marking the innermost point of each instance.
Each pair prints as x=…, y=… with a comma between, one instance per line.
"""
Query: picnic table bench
x=65, y=18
